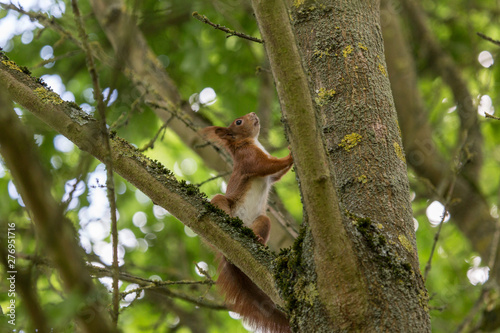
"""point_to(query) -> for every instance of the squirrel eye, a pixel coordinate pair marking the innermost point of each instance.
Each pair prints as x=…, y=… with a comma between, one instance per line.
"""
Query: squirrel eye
x=238, y=122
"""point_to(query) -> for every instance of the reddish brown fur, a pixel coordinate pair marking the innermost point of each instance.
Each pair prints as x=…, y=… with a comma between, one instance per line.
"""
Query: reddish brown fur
x=254, y=170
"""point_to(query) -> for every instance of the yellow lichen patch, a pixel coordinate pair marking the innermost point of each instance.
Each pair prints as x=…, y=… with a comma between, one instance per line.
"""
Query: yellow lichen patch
x=399, y=152
x=361, y=46
x=405, y=242
x=320, y=53
x=382, y=69
x=298, y=3
x=323, y=95
x=348, y=50
x=362, y=179
x=350, y=141
x=309, y=292
x=48, y=96
x=423, y=299
x=11, y=65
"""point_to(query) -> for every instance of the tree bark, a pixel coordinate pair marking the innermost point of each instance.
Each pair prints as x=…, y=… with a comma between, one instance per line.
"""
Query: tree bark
x=354, y=266
x=341, y=49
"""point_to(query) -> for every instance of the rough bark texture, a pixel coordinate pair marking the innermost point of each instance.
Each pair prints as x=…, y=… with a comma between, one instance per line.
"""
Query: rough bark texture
x=326, y=280
x=342, y=49
x=354, y=267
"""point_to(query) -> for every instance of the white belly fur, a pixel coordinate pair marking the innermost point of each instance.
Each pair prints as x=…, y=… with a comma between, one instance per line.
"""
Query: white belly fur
x=255, y=201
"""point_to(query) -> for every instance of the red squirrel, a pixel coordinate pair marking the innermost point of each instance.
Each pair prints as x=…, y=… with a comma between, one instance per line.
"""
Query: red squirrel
x=254, y=171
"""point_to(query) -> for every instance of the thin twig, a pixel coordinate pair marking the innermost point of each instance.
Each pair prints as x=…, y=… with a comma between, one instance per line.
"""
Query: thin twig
x=157, y=284
x=486, y=289
x=447, y=200
x=436, y=236
x=213, y=178
x=101, y=107
x=83, y=169
x=228, y=31
x=190, y=125
x=209, y=279
x=489, y=39
x=62, y=56
x=124, y=118
x=44, y=20
x=151, y=143
x=173, y=111
x=160, y=287
x=203, y=272
x=487, y=115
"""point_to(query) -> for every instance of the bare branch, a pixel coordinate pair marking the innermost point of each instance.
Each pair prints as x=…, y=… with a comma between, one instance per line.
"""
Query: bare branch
x=228, y=31
x=159, y=287
x=213, y=178
x=489, y=39
x=447, y=201
x=110, y=186
x=151, y=143
x=487, y=115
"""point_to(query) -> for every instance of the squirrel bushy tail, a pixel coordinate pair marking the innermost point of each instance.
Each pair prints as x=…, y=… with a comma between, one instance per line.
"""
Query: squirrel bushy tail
x=244, y=297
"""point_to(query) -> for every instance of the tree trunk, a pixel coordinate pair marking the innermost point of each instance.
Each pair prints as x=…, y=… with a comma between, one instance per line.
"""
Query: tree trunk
x=374, y=282
x=354, y=266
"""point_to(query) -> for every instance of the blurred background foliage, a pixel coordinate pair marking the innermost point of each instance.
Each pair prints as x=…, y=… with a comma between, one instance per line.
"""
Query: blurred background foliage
x=222, y=78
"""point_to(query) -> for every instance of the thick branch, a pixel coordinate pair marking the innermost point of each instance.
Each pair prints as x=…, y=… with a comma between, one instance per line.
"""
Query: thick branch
x=333, y=256
x=342, y=48
x=181, y=200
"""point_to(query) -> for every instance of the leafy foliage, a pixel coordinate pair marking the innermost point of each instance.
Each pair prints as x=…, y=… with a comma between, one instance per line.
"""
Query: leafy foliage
x=196, y=57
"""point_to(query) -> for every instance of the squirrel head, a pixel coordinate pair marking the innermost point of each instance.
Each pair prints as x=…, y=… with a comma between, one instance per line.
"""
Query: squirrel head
x=246, y=127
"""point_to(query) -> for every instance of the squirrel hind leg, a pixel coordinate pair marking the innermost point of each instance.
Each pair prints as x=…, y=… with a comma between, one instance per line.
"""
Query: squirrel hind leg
x=262, y=228
x=221, y=202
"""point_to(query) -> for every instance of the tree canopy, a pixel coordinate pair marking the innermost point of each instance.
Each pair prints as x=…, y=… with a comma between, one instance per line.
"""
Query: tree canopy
x=165, y=72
